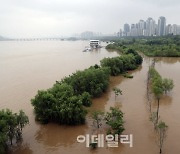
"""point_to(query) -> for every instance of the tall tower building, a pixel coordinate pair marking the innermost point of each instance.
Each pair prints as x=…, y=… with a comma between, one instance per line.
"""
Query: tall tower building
x=126, y=29
x=134, y=30
x=174, y=29
x=162, y=26
x=150, y=27
x=169, y=29
x=141, y=27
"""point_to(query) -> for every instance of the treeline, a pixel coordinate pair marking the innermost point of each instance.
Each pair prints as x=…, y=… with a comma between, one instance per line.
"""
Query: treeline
x=130, y=60
x=11, y=125
x=65, y=102
x=159, y=87
x=153, y=46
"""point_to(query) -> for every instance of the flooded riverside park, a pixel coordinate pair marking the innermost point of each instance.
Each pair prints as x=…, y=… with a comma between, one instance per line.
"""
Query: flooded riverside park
x=29, y=66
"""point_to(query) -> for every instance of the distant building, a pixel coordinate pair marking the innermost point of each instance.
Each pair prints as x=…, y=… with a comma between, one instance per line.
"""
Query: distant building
x=141, y=27
x=169, y=29
x=126, y=29
x=150, y=27
x=120, y=33
x=178, y=30
x=87, y=35
x=174, y=29
x=162, y=26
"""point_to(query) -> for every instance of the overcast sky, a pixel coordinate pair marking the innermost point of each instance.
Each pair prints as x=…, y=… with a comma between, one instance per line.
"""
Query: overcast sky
x=46, y=18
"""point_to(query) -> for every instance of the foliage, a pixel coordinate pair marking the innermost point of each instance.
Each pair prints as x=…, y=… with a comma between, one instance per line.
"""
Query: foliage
x=168, y=46
x=93, y=80
x=159, y=86
x=86, y=99
x=126, y=75
x=97, y=117
x=11, y=125
x=59, y=104
x=117, y=91
x=114, y=119
x=118, y=65
x=167, y=85
x=64, y=102
x=161, y=131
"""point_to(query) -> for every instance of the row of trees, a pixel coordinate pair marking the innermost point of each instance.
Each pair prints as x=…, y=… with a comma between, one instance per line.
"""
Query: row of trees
x=94, y=80
x=64, y=102
x=11, y=125
x=159, y=86
x=130, y=60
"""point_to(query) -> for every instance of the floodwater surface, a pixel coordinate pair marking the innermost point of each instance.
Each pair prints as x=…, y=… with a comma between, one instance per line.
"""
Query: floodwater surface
x=26, y=67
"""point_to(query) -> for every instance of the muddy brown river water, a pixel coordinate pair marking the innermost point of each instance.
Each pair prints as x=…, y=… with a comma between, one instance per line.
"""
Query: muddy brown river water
x=26, y=67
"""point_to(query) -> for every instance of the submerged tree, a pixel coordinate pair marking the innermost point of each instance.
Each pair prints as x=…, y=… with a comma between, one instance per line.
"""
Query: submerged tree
x=11, y=125
x=158, y=91
x=161, y=131
x=22, y=119
x=114, y=119
x=159, y=86
x=167, y=85
x=117, y=92
x=153, y=119
x=97, y=117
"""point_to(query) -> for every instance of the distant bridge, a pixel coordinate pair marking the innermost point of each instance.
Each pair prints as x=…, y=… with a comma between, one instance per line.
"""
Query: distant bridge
x=39, y=39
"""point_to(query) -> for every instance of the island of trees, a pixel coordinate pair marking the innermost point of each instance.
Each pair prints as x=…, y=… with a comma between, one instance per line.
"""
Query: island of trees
x=66, y=101
x=168, y=46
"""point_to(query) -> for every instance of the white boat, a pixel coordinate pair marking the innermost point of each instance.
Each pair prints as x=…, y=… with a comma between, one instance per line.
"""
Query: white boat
x=95, y=44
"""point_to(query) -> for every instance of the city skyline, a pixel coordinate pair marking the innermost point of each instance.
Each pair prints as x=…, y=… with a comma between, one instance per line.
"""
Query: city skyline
x=37, y=18
x=150, y=27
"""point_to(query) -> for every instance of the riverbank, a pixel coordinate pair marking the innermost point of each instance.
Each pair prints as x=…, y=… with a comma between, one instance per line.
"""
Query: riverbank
x=150, y=46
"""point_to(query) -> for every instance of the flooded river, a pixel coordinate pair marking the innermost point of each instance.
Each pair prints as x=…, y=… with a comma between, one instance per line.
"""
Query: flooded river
x=26, y=67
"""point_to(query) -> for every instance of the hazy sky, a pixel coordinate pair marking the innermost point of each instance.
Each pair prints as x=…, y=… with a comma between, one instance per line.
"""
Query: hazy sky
x=44, y=18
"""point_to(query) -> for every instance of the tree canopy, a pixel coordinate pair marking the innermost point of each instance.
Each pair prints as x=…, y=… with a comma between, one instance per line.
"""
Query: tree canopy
x=168, y=46
x=11, y=125
x=64, y=102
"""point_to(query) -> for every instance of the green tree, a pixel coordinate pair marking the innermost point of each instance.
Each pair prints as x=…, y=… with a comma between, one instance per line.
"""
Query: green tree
x=158, y=92
x=86, y=99
x=167, y=85
x=22, y=119
x=161, y=131
x=114, y=119
x=3, y=133
x=11, y=125
x=117, y=92
x=60, y=104
x=97, y=117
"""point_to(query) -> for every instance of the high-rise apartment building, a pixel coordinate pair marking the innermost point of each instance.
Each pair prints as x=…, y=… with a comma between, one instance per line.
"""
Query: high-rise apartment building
x=150, y=27
x=126, y=29
x=169, y=29
x=162, y=26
